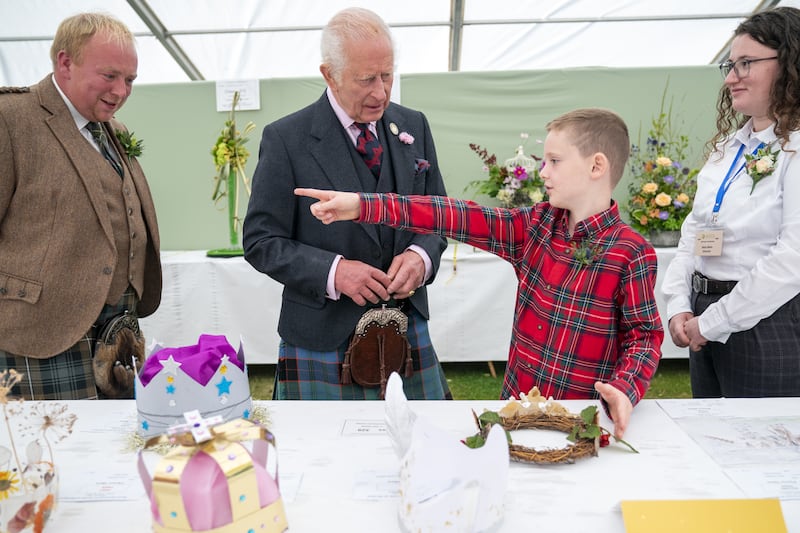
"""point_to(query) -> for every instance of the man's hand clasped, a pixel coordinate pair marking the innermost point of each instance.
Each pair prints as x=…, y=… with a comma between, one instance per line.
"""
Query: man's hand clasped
x=361, y=282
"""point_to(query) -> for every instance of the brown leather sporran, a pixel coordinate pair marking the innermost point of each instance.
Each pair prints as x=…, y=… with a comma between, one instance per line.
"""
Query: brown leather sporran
x=118, y=355
x=379, y=347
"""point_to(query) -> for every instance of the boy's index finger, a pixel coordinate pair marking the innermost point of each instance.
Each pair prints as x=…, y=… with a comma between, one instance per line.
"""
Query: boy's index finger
x=312, y=193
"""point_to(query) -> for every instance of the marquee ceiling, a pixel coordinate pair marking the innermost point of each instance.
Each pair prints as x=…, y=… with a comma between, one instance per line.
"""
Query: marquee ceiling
x=185, y=40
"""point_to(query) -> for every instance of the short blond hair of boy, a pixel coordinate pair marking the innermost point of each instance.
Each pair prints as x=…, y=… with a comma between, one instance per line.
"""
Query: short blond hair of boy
x=597, y=130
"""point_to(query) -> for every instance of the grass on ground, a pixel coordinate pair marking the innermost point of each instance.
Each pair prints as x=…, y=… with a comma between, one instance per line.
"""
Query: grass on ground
x=473, y=381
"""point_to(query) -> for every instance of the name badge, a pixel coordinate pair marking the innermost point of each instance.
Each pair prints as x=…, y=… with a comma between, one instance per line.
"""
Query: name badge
x=708, y=242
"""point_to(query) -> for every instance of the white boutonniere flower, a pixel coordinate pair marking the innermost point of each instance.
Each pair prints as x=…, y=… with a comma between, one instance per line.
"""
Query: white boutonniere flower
x=761, y=164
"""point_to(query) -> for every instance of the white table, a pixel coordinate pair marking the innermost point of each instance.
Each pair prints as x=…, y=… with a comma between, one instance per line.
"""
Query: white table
x=471, y=304
x=321, y=463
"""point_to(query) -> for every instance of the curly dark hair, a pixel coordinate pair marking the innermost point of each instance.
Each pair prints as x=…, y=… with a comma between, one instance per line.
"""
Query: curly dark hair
x=778, y=29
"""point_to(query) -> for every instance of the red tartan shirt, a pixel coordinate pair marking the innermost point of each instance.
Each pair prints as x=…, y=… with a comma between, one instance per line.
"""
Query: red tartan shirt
x=575, y=322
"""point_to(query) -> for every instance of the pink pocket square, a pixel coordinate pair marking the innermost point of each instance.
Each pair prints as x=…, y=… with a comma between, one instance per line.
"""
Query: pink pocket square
x=421, y=166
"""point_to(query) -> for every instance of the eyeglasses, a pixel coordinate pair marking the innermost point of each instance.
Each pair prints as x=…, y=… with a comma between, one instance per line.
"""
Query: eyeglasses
x=740, y=67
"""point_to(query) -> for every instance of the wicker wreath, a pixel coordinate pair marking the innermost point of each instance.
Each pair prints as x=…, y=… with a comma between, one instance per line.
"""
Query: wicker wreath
x=582, y=447
x=571, y=424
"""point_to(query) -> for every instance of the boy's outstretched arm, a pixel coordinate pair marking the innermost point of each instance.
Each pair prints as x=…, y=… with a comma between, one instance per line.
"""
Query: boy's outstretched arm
x=619, y=406
x=332, y=205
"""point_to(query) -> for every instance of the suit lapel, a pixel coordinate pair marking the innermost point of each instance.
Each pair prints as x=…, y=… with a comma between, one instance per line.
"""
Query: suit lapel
x=402, y=155
x=77, y=149
x=328, y=147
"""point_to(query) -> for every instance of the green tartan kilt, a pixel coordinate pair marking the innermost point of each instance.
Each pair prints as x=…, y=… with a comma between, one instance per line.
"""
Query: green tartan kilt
x=307, y=375
x=68, y=375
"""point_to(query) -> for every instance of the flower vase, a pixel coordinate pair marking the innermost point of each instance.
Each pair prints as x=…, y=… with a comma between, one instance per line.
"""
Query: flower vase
x=664, y=238
x=28, y=509
x=235, y=249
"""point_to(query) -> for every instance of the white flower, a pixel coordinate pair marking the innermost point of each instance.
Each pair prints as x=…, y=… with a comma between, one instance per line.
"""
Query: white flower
x=764, y=164
x=504, y=195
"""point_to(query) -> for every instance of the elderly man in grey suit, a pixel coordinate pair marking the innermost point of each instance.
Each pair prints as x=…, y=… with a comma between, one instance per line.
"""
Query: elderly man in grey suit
x=351, y=139
x=78, y=233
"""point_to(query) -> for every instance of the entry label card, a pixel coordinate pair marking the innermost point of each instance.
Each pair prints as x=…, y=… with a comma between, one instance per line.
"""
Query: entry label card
x=249, y=95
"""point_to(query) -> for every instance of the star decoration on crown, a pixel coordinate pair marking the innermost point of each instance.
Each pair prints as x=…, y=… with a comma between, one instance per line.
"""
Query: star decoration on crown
x=224, y=386
x=170, y=365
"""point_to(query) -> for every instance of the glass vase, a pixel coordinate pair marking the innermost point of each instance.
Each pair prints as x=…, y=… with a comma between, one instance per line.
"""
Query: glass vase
x=27, y=503
x=235, y=249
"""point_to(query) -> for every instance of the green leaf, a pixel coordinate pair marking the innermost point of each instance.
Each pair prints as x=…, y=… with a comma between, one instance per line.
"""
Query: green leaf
x=587, y=415
x=475, y=441
x=489, y=417
x=573, y=435
x=590, y=432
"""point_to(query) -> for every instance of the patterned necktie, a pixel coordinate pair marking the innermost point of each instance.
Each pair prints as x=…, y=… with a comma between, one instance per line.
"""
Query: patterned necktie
x=99, y=135
x=370, y=148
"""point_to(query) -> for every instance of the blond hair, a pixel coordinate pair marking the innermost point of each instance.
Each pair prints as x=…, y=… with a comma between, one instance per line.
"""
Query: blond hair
x=597, y=130
x=74, y=32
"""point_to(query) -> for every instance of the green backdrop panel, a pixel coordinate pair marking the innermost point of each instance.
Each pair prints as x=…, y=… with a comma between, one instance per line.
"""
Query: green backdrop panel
x=178, y=124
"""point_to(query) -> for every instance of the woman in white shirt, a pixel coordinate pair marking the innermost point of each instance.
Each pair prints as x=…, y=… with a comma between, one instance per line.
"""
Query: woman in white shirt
x=732, y=289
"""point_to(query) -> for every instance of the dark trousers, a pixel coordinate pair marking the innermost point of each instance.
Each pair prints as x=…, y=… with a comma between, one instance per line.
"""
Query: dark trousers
x=761, y=361
x=70, y=374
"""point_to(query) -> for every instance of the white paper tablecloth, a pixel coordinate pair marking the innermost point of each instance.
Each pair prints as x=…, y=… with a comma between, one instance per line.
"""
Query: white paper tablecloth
x=686, y=453
x=471, y=304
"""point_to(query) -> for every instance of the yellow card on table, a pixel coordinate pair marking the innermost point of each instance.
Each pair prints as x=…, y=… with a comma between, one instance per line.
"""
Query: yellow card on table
x=703, y=516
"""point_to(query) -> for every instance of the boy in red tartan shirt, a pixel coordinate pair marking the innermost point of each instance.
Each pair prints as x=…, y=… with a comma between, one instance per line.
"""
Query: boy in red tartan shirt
x=586, y=323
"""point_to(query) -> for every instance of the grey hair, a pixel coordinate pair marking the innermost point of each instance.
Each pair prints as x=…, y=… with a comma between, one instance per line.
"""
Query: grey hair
x=353, y=23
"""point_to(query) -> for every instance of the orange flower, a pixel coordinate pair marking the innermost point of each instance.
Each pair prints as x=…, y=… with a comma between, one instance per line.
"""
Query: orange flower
x=43, y=514
x=663, y=199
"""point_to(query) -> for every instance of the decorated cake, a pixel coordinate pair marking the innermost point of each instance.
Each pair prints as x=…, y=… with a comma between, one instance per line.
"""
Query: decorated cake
x=210, y=377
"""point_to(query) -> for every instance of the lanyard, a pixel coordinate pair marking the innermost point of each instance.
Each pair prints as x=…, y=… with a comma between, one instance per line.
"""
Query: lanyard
x=729, y=179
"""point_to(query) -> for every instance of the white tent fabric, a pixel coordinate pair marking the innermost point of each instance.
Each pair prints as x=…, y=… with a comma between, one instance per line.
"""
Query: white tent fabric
x=185, y=40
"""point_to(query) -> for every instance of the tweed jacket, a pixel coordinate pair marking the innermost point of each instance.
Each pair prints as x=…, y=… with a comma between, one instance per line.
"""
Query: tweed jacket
x=281, y=238
x=57, y=251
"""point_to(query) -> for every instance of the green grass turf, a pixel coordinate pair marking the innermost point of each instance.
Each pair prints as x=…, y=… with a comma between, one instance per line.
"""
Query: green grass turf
x=473, y=381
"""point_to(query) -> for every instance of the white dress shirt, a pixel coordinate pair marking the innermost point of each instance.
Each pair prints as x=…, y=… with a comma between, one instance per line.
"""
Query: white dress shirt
x=761, y=238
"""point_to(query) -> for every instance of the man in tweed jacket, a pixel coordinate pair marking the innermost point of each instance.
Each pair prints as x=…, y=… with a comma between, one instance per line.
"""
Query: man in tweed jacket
x=78, y=239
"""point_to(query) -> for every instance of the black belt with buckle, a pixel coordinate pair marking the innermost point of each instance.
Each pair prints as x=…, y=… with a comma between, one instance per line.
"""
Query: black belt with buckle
x=703, y=285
